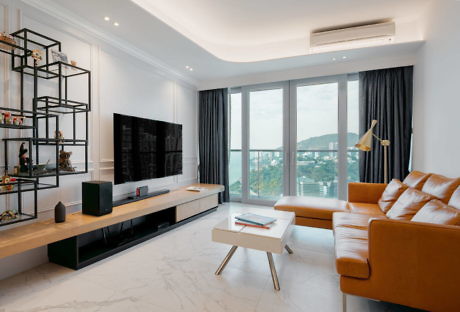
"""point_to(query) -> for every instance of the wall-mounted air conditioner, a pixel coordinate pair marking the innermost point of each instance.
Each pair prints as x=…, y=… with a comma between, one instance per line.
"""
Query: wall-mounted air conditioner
x=370, y=34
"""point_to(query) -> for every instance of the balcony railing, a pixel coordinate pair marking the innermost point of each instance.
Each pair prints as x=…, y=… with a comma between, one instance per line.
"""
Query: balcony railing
x=317, y=173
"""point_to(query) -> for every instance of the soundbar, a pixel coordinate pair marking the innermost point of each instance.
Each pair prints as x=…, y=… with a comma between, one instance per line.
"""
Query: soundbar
x=133, y=199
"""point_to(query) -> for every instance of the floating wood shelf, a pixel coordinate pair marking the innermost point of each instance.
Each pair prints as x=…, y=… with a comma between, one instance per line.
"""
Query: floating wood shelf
x=41, y=233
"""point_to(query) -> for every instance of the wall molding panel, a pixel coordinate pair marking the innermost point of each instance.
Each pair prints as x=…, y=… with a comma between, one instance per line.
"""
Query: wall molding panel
x=124, y=80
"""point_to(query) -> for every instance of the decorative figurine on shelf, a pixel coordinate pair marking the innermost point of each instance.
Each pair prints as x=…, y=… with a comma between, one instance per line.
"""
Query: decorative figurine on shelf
x=7, y=40
x=37, y=56
x=64, y=161
x=7, y=118
x=8, y=215
x=18, y=120
x=5, y=180
x=59, y=135
x=23, y=159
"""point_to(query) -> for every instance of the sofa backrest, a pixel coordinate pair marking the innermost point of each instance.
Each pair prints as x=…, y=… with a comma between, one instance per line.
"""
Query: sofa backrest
x=408, y=204
x=435, y=211
x=416, y=179
x=440, y=187
x=454, y=200
x=422, y=187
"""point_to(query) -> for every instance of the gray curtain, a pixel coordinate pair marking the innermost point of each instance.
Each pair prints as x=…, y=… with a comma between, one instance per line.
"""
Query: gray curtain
x=213, y=139
x=386, y=95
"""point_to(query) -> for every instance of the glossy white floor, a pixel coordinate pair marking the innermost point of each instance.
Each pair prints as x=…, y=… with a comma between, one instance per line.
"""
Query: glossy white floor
x=175, y=272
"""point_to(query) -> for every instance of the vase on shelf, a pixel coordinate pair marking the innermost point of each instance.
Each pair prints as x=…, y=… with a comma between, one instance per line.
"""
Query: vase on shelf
x=59, y=213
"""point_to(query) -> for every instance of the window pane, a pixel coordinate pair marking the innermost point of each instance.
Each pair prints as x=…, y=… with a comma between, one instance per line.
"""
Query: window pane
x=235, y=164
x=353, y=131
x=317, y=140
x=266, y=157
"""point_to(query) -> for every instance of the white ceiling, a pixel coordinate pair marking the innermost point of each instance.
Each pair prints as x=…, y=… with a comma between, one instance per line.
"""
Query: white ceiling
x=222, y=38
x=257, y=30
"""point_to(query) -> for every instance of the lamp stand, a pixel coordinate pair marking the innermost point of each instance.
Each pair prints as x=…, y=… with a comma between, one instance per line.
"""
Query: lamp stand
x=385, y=144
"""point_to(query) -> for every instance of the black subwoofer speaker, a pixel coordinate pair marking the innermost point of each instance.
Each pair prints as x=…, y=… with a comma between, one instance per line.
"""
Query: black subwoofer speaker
x=97, y=198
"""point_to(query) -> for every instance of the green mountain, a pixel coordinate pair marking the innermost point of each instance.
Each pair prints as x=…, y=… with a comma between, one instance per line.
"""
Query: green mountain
x=323, y=141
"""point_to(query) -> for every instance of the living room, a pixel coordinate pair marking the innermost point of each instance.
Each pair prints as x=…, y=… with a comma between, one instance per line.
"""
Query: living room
x=229, y=155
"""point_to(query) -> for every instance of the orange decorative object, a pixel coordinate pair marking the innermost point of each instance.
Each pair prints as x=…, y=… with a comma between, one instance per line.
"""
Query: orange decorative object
x=7, y=39
x=5, y=180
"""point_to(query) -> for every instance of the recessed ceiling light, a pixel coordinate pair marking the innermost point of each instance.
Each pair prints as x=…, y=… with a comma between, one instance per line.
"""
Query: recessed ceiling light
x=334, y=59
x=106, y=18
x=186, y=66
x=190, y=69
x=116, y=24
x=344, y=57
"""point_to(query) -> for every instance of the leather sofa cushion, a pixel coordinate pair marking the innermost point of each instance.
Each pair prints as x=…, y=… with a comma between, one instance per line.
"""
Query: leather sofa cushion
x=363, y=208
x=311, y=207
x=440, y=187
x=454, y=200
x=416, y=179
x=353, y=220
x=351, y=252
x=392, y=192
x=408, y=204
x=435, y=211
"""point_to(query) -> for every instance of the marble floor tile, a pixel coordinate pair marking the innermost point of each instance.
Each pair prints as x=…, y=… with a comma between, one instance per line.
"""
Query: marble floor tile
x=175, y=272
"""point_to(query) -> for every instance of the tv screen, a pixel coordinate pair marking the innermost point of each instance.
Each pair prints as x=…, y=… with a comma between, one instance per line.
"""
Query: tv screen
x=145, y=149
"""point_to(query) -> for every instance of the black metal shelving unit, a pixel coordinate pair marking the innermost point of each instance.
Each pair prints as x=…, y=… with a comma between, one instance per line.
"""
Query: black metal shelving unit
x=18, y=187
x=43, y=112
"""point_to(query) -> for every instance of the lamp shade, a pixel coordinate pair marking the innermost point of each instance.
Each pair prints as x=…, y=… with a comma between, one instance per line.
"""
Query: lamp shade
x=365, y=143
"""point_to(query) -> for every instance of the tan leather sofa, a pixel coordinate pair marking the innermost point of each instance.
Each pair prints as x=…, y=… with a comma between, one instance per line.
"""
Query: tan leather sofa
x=388, y=256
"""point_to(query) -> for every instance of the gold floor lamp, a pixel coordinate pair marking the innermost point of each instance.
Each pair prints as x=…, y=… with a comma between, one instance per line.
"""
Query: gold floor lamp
x=365, y=144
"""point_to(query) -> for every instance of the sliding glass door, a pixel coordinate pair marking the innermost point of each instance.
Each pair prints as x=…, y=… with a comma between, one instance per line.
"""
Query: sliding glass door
x=266, y=166
x=316, y=139
x=291, y=138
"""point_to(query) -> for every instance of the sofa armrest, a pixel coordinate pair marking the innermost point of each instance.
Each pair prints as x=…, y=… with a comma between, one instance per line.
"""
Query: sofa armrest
x=365, y=192
x=416, y=263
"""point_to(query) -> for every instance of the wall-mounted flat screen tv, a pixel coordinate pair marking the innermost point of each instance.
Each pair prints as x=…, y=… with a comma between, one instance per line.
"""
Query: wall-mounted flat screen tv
x=145, y=149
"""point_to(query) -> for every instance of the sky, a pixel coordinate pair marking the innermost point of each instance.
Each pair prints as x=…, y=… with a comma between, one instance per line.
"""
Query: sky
x=317, y=114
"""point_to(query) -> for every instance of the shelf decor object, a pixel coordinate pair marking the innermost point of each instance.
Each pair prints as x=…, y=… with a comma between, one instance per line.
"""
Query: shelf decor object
x=32, y=54
x=7, y=43
x=59, y=213
x=17, y=187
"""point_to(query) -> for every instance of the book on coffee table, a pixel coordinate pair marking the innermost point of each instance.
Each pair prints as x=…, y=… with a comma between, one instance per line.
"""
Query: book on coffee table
x=255, y=219
x=268, y=226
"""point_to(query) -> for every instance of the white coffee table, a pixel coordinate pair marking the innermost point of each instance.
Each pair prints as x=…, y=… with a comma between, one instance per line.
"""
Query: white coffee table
x=273, y=240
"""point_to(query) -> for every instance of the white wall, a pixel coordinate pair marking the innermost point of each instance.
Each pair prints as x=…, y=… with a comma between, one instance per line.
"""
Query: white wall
x=121, y=83
x=437, y=92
